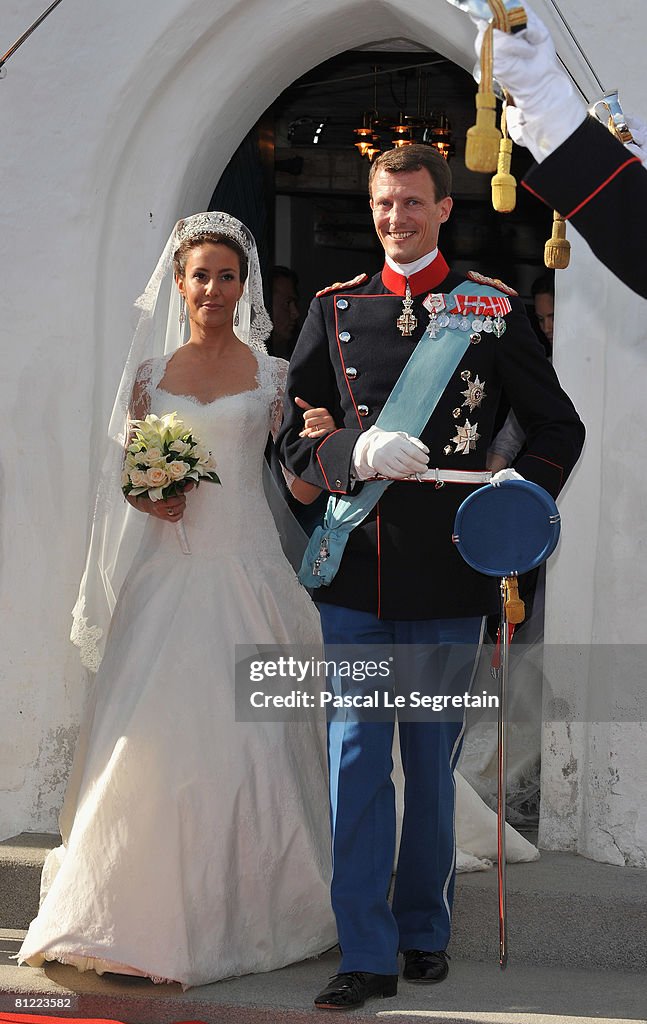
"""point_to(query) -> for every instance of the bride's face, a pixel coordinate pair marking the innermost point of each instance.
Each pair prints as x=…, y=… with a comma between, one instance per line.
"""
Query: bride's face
x=211, y=285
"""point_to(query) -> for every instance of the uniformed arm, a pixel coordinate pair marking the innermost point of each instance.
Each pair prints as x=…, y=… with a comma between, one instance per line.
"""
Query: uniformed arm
x=543, y=107
x=583, y=171
x=597, y=184
x=554, y=431
x=324, y=462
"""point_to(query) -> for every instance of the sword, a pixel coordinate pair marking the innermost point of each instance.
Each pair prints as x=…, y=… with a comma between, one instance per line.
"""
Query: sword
x=502, y=776
x=608, y=110
x=12, y=49
x=512, y=613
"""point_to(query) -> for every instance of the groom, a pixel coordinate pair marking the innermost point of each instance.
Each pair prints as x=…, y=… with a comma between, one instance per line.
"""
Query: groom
x=401, y=580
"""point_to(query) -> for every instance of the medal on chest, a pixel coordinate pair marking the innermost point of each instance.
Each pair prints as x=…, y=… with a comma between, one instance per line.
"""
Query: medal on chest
x=467, y=313
x=407, y=321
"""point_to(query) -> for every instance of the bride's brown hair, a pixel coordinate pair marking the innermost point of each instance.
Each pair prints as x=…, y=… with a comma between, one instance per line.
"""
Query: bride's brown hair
x=181, y=254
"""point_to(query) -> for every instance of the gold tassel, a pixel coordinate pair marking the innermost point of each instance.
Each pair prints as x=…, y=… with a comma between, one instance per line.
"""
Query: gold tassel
x=482, y=143
x=557, y=251
x=483, y=139
x=515, y=609
x=504, y=184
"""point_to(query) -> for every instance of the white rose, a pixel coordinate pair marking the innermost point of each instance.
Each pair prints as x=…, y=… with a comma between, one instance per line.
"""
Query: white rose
x=181, y=447
x=151, y=456
x=177, y=470
x=138, y=478
x=156, y=477
x=125, y=478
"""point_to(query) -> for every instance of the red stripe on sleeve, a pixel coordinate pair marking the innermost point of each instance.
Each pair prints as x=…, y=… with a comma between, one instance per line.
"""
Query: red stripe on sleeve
x=576, y=209
x=333, y=490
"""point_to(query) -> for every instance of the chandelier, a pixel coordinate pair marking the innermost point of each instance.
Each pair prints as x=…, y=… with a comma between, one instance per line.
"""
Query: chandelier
x=423, y=126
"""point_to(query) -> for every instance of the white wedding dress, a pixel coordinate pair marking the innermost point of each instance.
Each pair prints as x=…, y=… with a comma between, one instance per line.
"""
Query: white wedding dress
x=196, y=847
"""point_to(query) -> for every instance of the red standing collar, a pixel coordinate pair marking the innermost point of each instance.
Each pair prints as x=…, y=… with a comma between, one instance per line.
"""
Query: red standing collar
x=424, y=281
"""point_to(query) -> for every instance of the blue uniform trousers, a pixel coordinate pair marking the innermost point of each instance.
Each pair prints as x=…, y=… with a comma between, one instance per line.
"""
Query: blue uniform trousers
x=362, y=796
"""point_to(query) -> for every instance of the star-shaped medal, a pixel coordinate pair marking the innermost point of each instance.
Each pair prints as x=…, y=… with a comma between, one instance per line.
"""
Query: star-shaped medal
x=474, y=394
x=465, y=438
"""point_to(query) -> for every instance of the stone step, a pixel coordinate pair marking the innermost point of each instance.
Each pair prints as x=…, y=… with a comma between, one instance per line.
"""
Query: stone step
x=474, y=993
x=563, y=910
x=21, y=862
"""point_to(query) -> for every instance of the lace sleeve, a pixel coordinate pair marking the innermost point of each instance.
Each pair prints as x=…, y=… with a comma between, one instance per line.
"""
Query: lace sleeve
x=139, y=405
x=277, y=376
x=277, y=371
x=149, y=374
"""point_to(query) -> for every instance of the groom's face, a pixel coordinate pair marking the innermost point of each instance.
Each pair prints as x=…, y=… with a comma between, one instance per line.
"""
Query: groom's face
x=406, y=216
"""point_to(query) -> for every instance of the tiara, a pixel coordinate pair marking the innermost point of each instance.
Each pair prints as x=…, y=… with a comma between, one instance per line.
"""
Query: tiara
x=214, y=223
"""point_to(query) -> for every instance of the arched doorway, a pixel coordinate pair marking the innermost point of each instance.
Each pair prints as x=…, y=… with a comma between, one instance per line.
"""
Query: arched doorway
x=168, y=147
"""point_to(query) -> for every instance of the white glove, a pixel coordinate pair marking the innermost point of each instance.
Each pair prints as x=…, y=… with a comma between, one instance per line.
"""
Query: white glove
x=639, y=131
x=394, y=455
x=505, y=474
x=515, y=123
x=526, y=65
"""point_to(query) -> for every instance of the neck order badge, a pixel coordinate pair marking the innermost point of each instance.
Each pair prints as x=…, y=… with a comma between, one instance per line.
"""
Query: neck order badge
x=407, y=321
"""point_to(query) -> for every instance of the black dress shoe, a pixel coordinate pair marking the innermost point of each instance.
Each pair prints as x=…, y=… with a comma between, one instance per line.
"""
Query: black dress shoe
x=427, y=968
x=349, y=991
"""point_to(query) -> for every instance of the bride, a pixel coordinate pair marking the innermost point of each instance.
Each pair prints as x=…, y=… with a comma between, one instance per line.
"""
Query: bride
x=195, y=847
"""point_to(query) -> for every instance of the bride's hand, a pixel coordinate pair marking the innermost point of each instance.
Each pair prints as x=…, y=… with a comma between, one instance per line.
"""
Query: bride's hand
x=316, y=421
x=170, y=510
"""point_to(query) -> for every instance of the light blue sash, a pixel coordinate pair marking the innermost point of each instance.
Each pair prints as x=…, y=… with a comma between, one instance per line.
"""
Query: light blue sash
x=415, y=395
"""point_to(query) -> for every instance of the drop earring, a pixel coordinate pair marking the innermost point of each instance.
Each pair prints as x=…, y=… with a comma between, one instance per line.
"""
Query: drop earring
x=182, y=312
x=236, y=317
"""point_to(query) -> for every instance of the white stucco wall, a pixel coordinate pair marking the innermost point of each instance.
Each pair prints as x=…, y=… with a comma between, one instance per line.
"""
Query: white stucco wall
x=116, y=120
x=594, y=773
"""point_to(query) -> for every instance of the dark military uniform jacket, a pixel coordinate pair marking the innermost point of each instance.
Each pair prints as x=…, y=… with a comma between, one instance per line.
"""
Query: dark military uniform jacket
x=599, y=185
x=400, y=563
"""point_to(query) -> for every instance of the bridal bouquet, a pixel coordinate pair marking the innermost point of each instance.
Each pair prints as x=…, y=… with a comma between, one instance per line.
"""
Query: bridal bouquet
x=163, y=455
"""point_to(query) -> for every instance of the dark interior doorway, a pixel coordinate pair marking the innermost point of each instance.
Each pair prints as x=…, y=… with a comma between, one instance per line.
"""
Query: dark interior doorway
x=306, y=201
